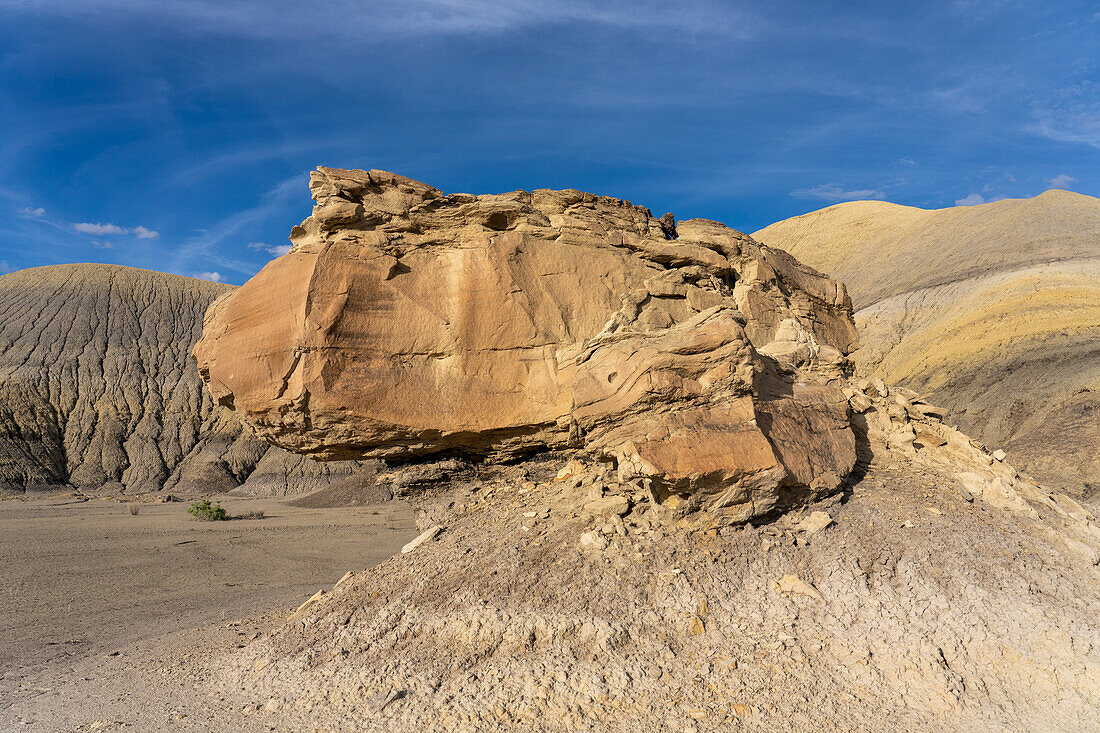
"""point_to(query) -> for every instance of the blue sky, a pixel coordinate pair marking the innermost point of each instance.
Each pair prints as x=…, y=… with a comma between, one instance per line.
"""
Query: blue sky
x=177, y=136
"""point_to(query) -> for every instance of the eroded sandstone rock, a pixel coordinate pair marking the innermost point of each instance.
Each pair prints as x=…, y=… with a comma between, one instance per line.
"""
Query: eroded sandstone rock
x=406, y=321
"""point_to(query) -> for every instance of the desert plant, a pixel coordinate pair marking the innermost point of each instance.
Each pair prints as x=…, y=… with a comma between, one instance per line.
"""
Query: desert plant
x=209, y=511
x=133, y=508
x=254, y=514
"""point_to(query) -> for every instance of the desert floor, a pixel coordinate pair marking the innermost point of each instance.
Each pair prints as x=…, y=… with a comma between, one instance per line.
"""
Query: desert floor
x=103, y=614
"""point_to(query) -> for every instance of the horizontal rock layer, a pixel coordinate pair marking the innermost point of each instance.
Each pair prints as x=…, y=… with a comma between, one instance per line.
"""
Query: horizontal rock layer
x=405, y=322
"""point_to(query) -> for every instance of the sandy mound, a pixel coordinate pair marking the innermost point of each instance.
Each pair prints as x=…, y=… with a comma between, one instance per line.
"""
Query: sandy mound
x=544, y=604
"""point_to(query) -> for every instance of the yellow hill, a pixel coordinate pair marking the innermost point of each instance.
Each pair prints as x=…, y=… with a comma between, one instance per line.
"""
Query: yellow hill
x=993, y=309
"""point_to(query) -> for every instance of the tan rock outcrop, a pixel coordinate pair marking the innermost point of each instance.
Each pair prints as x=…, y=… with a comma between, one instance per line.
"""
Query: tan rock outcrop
x=405, y=322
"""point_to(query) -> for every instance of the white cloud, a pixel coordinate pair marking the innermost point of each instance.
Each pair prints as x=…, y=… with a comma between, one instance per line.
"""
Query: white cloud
x=276, y=249
x=212, y=276
x=102, y=245
x=1061, y=181
x=33, y=212
x=98, y=228
x=976, y=198
x=972, y=200
x=836, y=192
x=88, y=228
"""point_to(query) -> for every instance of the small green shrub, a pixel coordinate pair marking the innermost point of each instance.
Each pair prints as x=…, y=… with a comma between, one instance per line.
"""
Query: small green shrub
x=205, y=510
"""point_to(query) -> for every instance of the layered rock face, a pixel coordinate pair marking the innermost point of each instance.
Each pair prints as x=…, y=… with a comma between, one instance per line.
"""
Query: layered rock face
x=991, y=310
x=407, y=322
x=97, y=389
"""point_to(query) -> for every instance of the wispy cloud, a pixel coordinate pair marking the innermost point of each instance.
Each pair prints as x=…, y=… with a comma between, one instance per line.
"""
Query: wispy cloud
x=835, y=192
x=212, y=276
x=1074, y=117
x=1060, y=181
x=143, y=233
x=102, y=245
x=205, y=246
x=28, y=211
x=346, y=18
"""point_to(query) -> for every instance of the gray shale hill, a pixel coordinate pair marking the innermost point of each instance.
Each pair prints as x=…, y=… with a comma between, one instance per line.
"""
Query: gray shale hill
x=97, y=389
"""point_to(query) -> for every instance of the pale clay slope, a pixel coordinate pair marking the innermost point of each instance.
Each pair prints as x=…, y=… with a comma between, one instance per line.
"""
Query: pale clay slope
x=97, y=388
x=992, y=310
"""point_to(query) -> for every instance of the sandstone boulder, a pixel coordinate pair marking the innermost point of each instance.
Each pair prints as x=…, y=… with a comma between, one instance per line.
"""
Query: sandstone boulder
x=406, y=322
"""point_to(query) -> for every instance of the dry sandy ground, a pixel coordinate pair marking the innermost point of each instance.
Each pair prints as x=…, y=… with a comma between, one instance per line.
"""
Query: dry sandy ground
x=104, y=615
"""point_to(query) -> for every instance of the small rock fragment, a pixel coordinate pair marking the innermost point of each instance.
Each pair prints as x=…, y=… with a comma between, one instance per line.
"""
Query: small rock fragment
x=425, y=536
x=593, y=541
x=792, y=584
x=859, y=402
x=929, y=410
x=999, y=455
x=572, y=469
x=393, y=696
x=815, y=522
x=609, y=506
x=309, y=602
x=972, y=484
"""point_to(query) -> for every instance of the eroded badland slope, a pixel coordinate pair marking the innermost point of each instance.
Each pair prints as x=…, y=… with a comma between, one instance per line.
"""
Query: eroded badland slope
x=97, y=389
